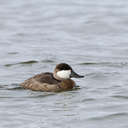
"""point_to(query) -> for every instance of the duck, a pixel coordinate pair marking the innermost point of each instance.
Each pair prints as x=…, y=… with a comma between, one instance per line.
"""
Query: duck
x=59, y=80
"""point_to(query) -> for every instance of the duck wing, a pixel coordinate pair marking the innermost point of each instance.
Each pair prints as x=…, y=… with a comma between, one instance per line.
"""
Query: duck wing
x=41, y=82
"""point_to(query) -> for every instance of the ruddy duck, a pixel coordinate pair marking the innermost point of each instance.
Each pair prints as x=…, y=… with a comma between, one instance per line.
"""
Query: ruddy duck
x=59, y=80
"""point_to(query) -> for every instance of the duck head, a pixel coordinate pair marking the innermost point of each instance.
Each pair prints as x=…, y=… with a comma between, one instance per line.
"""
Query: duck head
x=64, y=71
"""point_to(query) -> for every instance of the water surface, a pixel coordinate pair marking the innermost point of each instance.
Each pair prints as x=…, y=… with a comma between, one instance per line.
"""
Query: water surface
x=90, y=35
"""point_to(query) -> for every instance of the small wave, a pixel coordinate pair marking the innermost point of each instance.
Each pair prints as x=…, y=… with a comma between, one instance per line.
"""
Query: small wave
x=30, y=62
x=47, y=61
x=110, y=116
x=120, y=97
x=88, y=63
x=41, y=94
x=118, y=64
x=15, y=88
x=11, y=87
x=8, y=65
x=3, y=86
x=101, y=74
x=12, y=53
x=25, y=62
x=88, y=99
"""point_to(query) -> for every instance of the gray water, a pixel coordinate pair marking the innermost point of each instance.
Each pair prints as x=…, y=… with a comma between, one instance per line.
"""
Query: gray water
x=91, y=36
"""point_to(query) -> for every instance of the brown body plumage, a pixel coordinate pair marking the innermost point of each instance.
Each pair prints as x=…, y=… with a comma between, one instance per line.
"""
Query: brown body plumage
x=46, y=82
x=51, y=81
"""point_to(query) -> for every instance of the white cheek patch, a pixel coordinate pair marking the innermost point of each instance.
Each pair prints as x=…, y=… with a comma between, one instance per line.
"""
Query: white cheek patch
x=65, y=74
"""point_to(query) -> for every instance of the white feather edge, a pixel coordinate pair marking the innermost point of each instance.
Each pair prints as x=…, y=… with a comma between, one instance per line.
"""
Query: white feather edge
x=65, y=74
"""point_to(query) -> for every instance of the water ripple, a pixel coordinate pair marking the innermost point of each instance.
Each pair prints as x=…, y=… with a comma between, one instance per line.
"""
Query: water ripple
x=22, y=63
x=110, y=116
x=29, y=62
x=12, y=53
x=120, y=97
x=11, y=87
x=109, y=64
